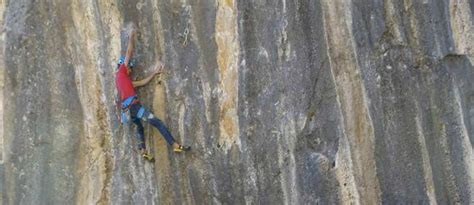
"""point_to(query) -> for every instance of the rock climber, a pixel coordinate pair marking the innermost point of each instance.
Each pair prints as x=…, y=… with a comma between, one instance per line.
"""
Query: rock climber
x=131, y=106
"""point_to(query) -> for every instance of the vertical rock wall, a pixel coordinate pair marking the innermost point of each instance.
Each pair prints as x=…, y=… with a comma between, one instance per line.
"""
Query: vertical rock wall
x=283, y=102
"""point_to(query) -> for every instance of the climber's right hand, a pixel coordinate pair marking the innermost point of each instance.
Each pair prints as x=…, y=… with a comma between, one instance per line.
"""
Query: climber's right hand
x=132, y=29
x=159, y=67
x=133, y=32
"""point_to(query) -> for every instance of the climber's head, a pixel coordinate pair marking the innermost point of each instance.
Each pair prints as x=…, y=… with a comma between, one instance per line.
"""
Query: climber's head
x=129, y=66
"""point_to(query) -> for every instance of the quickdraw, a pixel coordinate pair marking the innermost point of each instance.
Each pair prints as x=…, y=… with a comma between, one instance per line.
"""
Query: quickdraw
x=125, y=114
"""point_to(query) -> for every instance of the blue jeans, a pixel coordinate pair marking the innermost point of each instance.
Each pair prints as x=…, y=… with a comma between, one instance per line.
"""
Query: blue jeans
x=148, y=116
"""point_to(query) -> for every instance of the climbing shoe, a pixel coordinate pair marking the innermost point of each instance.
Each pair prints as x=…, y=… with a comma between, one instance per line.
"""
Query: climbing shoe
x=182, y=148
x=148, y=157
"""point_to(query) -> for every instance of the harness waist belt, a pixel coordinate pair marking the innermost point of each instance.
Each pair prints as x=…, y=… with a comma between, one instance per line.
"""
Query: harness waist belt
x=127, y=102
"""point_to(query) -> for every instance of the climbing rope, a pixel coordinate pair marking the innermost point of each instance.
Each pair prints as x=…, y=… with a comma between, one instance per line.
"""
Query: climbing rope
x=148, y=132
x=148, y=138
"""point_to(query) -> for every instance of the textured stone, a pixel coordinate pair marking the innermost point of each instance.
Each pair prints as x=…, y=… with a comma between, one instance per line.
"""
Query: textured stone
x=283, y=102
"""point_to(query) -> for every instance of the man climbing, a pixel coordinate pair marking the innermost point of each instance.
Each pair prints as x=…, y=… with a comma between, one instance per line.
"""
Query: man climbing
x=131, y=105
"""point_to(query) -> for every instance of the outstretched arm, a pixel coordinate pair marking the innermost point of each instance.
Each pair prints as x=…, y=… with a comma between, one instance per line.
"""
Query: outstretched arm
x=131, y=38
x=158, y=70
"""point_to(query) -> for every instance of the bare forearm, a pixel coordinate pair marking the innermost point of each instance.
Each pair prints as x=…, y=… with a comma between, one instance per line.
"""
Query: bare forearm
x=148, y=79
x=143, y=81
x=129, y=47
x=158, y=68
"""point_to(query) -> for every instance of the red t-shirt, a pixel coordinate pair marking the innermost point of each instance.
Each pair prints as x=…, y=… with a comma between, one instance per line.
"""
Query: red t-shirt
x=123, y=83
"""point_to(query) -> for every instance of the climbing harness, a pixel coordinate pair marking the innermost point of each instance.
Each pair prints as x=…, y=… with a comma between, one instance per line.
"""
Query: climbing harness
x=141, y=114
x=125, y=114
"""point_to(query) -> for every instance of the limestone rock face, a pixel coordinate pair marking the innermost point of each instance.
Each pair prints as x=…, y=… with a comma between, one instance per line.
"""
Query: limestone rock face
x=283, y=102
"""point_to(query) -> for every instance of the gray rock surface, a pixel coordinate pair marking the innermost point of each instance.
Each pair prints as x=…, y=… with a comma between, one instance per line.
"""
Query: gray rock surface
x=283, y=102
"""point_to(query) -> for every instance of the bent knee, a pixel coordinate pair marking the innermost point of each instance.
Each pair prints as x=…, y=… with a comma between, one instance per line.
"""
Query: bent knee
x=147, y=115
